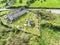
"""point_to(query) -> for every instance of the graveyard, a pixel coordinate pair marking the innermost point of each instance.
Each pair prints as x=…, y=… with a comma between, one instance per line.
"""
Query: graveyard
x=23, y=20
x=22, y=26
x=26, y=27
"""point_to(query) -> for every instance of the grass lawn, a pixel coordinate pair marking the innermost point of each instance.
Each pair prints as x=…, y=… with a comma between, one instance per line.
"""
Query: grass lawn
x=2, y=5
x=47, y=4
x=20, y=4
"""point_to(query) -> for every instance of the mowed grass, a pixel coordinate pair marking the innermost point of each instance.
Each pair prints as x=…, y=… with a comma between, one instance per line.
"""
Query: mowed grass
x=2, y=5
x=25, y=17
x=16, y=4
x=20, y=4
x=47, y=3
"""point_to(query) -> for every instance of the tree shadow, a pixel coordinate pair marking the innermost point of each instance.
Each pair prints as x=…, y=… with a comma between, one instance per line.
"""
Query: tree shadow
x=51, y=26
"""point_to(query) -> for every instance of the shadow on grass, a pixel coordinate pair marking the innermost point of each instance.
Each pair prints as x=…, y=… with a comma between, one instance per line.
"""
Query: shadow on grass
x=33, y=25
x=51, y=26
x=4, y=25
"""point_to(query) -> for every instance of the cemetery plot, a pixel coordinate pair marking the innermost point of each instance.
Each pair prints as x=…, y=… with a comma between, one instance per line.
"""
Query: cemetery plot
x=23, y=20
x=28, y=23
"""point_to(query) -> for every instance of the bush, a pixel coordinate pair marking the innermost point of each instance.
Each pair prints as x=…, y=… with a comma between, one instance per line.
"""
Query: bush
x=51, y=26
x=47, y=15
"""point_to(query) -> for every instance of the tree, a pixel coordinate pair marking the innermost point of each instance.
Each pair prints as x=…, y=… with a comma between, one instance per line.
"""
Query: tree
x=20, y=1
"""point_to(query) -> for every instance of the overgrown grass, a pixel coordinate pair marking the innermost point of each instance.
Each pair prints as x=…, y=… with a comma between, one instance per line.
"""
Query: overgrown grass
x=50, y=31
x=13, y=36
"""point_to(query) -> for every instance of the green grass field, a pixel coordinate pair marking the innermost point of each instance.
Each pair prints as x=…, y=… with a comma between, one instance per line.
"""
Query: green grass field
x=47, y=4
